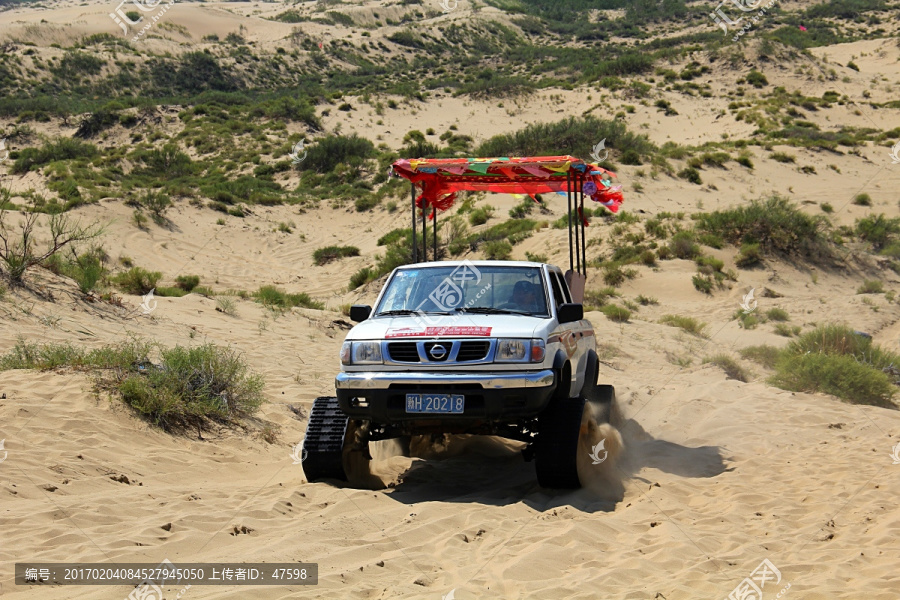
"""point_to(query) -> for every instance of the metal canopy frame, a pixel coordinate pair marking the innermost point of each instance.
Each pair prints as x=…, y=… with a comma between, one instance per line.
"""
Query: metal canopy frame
x=577, y=239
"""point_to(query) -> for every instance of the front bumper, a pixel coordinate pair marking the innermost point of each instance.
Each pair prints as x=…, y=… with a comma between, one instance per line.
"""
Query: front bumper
x=380, y=396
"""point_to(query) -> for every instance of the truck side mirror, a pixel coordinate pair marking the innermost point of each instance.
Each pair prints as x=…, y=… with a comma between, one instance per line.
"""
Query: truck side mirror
x=360, y=312
x=569, y=313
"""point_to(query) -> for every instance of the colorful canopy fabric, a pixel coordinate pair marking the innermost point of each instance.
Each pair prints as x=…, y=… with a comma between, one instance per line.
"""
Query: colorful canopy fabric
x=441, y=178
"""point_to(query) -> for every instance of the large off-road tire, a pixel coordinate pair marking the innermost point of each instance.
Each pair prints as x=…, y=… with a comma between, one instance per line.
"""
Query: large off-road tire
x=557, y=444
x=323, y=446
x=591, y=374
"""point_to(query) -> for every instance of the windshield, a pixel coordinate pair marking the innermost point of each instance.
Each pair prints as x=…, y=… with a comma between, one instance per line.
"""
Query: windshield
x=465, y=288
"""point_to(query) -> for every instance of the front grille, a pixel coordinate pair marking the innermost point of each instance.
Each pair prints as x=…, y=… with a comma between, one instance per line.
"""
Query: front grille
x=403, y=352
x=447, y=346
x=472, y=351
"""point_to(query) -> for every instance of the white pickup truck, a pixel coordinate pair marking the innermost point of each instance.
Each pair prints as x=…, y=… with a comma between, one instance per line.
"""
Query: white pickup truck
x=458, y=347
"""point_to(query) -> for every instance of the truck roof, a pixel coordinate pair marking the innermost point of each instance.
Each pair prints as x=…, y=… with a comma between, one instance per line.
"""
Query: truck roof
x=486, y=263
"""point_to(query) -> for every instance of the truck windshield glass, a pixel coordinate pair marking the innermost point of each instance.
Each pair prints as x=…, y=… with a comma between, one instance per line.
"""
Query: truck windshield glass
x=466, y=288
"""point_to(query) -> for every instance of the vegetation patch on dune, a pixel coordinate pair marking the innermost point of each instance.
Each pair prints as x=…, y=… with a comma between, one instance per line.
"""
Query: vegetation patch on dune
x=188, y=387
x=836, y=360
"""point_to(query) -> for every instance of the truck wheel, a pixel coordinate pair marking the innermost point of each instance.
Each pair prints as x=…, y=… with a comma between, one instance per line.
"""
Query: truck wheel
x=591, y=374
x=323, y=446
x=557, y=444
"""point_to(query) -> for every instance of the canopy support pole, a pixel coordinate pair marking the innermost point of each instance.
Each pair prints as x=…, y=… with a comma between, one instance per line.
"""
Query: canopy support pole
x=424, y=232
x=434, y=235
x=577, y=224
x=569, y=215
x=583, y=241
x=415, y=240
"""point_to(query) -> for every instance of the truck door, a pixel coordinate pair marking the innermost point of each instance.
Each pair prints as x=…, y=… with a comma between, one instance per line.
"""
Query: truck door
x=577, y=341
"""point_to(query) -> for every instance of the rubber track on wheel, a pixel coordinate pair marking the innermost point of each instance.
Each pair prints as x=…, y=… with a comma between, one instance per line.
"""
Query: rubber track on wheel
x=324, y=442
x=557, y=443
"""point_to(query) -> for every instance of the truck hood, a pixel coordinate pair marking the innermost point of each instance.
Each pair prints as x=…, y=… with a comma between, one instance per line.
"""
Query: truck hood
x=455, y=326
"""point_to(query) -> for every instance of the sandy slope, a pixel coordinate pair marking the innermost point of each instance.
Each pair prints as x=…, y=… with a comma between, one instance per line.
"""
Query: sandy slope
x=744, y=471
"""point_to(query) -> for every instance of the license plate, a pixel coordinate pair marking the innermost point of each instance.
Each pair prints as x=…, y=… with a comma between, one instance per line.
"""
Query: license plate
x=441, y=404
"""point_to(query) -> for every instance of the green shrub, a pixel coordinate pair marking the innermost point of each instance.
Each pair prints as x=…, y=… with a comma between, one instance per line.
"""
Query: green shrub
x=497, y=250
x=59, y=149
x=757, y=79
x=594, y=300
x=187, y=282
x=826, y=207
x=362, y=277
x=749, y=256
x=616, y=313
x=274, y=298
x=747, y=320
x=691, y=174
x=732, y=369
x=878, y=230
x=785, y=330
x=871, y=286
x=682, y=245
x=648, y=258
x=777, y=314
x=323, y=256
x=188, y=387
x=836, y=374
x=702, y=283
x=574, y=135
x=646, y=300
x=330, y=151
x=765, y=355
x=614, y=274
x=137, y=280
x=783, y=157
x=480, y=216
x=192, y=386
x=712, y=240
x=171, y=292
x=862, y=200
x=773, y=225
x=688, y=324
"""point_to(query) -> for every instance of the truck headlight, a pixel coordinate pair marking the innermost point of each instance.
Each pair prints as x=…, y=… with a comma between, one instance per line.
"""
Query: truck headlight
x=365, y=353
x=511, y=350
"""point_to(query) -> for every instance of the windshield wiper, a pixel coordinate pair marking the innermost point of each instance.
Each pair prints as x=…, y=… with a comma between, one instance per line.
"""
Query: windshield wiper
x=489, y=310
x=405, y=312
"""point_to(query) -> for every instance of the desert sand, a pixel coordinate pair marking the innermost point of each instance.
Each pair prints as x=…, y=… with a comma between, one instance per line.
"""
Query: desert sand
x=712, y=477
